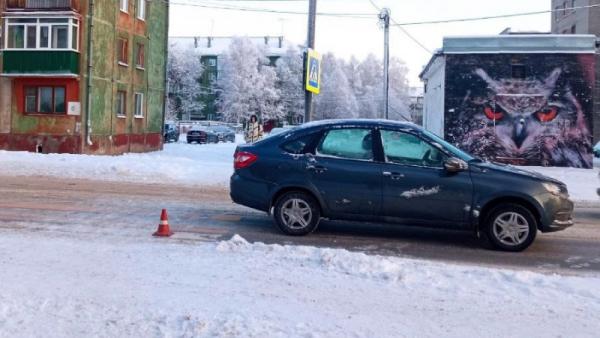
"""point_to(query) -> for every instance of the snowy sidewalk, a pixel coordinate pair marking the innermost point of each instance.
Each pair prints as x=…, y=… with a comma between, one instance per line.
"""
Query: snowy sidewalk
x=56, y=286
x=207, y=164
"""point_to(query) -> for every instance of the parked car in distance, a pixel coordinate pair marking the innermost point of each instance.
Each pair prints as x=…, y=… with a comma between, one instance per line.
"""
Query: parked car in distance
x=224, y=133
x=377, y=170
x=201, y=135
x=597, y=150
x=171, y=132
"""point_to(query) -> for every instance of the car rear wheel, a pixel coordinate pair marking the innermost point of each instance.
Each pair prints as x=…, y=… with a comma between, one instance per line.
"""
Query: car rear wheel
x=510, y=227
x=297, y=213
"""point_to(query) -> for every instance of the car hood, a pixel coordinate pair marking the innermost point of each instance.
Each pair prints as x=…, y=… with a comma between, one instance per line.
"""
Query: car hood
x=509, y=169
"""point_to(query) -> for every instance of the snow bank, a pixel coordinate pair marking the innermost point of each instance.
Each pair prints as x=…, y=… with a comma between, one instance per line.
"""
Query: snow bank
x=208, y=164
x=582, y=183
x=132, y=287
x=178, y=163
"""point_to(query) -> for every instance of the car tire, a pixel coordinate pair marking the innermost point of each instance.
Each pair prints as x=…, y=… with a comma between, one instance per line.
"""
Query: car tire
x=509, y=227
x=296, y=213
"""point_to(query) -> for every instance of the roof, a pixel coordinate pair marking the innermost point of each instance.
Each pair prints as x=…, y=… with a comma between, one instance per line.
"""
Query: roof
x=520, y=43
x=434, y=57
x=218, y=45
x=514, y=44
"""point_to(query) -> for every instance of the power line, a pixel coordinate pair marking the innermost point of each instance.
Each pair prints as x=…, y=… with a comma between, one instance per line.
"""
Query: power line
x=492, y=16
x=368, y=16
x=213, y=5
x=395, y=24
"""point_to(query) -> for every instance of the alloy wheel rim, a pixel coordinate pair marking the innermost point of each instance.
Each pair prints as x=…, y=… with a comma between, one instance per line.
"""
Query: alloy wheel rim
x=296, y=213
x=511, y=228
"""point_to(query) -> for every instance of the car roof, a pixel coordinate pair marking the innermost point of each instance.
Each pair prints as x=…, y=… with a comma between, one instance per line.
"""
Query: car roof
x=359, y=123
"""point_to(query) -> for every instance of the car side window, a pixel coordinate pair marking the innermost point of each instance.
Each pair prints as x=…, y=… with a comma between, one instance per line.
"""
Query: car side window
x=408, y=149
x=355, y=144
x=298, y=145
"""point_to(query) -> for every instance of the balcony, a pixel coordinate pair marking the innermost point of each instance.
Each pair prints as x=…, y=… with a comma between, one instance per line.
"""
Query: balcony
x=40, y=63
x=45, y=5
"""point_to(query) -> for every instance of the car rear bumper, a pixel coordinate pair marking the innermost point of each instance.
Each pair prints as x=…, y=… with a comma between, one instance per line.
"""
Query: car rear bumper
x=249, y=192
x=196, y=138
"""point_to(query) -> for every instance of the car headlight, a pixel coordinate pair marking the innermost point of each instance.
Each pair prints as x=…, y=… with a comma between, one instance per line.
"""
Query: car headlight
x=552, y=188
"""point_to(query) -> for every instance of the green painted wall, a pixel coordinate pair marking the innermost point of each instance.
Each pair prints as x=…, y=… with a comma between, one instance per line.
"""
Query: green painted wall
x=108, y=76
x=40, y=62
x=156, y=58
x=209, y=76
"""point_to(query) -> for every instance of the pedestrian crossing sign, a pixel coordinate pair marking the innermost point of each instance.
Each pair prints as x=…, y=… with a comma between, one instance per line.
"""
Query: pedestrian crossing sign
x=313, y=71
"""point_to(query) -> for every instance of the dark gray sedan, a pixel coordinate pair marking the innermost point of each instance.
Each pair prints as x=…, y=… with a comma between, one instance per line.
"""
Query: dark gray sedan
x=375, y=170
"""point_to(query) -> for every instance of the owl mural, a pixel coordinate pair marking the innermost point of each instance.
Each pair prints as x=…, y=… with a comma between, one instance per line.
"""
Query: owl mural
x=539, y=118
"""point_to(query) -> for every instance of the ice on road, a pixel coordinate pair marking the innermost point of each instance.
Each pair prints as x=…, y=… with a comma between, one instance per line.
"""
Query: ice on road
x=57, y=285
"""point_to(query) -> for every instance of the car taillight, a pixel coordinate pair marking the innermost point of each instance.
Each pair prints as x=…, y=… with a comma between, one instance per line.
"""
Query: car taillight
x=243, y=159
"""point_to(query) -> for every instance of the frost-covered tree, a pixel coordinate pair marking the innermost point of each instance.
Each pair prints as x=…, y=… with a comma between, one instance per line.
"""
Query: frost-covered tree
x=336, y=100
x=351, y=69
x=290, y=69
x=370, y=93
x=184, y=71
x=399, y=92
x=368, y=88
x=247, y=84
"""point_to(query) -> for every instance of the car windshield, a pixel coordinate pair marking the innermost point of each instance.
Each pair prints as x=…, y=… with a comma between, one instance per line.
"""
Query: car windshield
x=449, y=147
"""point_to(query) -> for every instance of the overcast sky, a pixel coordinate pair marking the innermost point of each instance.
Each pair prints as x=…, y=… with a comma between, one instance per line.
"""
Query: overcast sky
x=358, y=36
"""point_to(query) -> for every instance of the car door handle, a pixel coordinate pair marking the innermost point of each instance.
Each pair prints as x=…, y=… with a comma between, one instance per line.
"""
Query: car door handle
x=393, y=175
x=316, y=168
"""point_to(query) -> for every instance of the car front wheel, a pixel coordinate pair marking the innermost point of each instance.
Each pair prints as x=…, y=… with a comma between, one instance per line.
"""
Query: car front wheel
x=510, y=227
x=297, y=213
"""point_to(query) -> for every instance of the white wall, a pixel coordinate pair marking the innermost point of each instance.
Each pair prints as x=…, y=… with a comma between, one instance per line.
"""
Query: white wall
x=433, y=108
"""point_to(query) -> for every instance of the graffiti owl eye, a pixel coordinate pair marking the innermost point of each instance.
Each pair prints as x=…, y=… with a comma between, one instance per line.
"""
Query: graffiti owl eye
x=493, y=114
x=547, y=114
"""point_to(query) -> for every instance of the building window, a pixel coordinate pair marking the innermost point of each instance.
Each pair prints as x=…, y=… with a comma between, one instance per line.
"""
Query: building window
x=121, y=103
x=212, y=77
x=557, y=13
x=122, y=48
x=139, y=105
x=212, y=62
x=42, y=33
x=141, y=12
x=124, y=5
x=140, y=56
x=45, y=100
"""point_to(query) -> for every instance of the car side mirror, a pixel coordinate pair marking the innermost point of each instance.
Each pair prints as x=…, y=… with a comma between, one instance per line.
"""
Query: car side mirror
x=454, y=165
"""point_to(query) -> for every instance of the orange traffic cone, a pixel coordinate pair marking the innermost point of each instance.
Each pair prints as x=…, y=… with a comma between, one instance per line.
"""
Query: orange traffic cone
x=163, y=227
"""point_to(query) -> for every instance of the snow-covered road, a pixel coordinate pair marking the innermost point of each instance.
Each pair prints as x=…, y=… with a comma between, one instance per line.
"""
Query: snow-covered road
x=65, y=286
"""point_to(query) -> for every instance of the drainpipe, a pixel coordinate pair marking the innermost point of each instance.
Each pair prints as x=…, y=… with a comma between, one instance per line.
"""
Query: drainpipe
x=166, y=53
x=88, y=99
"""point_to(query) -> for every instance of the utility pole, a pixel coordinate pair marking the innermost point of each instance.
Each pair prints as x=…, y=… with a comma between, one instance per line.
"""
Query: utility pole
x=384, y=16
x=310, y=43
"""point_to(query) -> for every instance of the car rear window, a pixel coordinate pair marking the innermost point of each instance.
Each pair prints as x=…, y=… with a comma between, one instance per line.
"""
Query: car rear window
x=299, y=144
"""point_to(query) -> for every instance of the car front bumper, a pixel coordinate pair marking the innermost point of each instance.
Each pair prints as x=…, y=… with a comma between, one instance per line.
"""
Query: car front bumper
x=559, y=213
